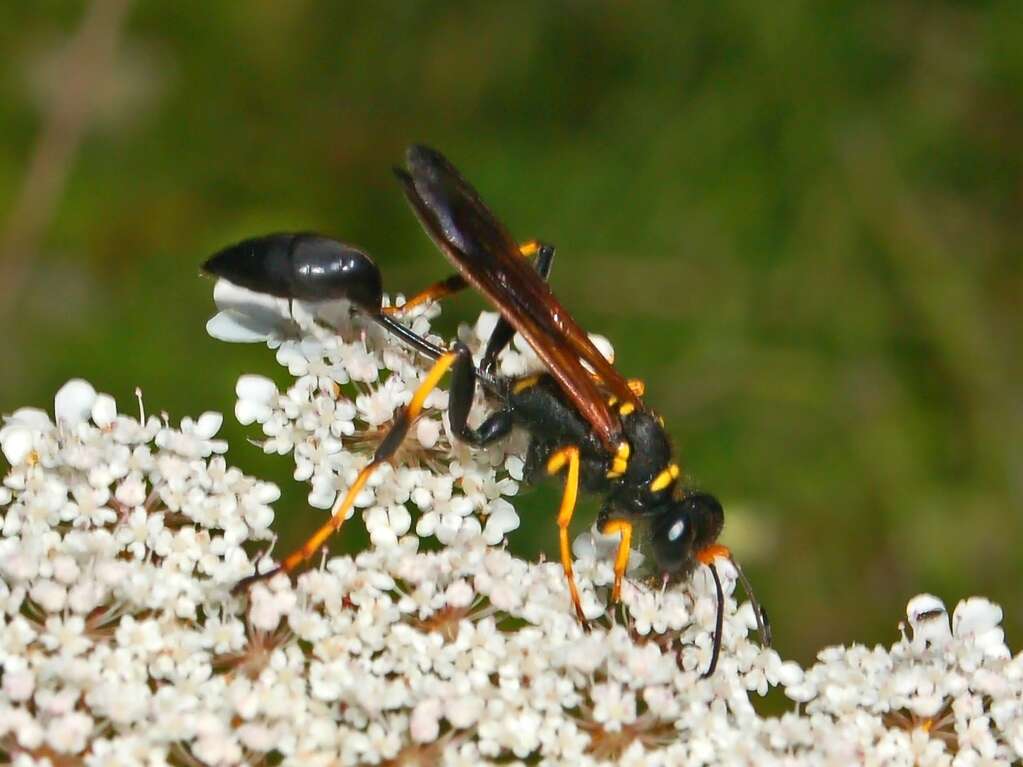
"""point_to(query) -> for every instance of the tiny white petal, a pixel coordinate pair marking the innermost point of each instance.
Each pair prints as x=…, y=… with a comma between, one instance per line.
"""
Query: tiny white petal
x=500, y=523
x=790, y=674
x=929, y=619
x=209, y=424
x=424, y=726
x=19, y=684
x=603, y=346
x=515, y=466
x=974, y=616
x=427, y=432
x=73, y=402
x=234, y=327
x=485, y=325
x=104, y=411
x=459, y=594
x=922, y=604
x=256, y=388
x=16, y=443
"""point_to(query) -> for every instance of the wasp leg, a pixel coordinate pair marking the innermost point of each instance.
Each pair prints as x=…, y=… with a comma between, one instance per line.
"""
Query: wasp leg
x=407, y=335
x=624, y=527
x=434, y=292
x=427, y=348
x=503, y=331
x=463, y=388
x=557, y=461
x=385, y=451
x=450, y=285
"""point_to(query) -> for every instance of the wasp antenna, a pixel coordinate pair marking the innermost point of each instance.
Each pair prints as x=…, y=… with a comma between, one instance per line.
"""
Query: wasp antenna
x=719, y=623
x=763, y=624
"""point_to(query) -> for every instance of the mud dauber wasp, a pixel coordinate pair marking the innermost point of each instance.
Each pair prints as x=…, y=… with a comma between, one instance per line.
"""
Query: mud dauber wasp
x=582, y=416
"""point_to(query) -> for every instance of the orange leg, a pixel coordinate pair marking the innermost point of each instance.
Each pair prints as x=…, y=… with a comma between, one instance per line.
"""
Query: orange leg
x=449, y=286
x=435, y=292
x=568, y=455
x=622, y=556
x=387, y=448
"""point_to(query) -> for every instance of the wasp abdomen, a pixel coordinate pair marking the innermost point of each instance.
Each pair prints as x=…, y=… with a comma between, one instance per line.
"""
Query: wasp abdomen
x=306, y=267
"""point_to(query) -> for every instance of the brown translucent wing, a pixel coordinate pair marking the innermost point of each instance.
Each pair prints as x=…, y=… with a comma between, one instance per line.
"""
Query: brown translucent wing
x=488, y=258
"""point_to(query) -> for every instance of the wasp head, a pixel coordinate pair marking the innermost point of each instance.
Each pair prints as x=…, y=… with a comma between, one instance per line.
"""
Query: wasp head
x=683, y=529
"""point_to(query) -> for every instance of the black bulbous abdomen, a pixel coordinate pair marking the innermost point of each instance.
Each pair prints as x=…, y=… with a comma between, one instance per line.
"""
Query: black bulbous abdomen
x=305, y=267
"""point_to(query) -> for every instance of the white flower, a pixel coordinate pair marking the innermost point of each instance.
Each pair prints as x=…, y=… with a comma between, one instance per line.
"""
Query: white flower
x=195, y=438
x=122, y=643
x=256, y=397
x=20, y=432
x=613, y=707
x=424, y=725
x=350, y=382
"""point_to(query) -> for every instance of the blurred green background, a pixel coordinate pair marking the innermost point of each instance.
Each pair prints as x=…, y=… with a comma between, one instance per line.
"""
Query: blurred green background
x=799, y=222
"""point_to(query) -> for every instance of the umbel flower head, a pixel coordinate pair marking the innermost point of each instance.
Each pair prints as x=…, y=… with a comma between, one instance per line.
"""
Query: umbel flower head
x=122, y=643
x=350, y=378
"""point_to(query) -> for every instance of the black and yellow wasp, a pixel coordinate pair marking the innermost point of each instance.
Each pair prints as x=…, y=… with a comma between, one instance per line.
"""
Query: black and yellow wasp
x=583, y=418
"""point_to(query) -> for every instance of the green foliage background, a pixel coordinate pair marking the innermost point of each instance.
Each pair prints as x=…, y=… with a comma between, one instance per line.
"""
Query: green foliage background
x=799, y=222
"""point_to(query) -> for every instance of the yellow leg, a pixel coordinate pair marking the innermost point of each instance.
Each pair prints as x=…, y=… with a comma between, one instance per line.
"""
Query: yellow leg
x=555, y=463
x=622, y=556
x=338, y=515
x=440, y=367
x=451, y=285
x=387, y=448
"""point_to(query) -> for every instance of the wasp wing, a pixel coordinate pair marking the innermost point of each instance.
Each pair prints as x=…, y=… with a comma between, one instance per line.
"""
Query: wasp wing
x=485, y=254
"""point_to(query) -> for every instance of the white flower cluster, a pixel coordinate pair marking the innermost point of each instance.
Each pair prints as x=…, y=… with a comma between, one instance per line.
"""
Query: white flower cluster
x=122, y=643
x=350, y=379
x=115, y=534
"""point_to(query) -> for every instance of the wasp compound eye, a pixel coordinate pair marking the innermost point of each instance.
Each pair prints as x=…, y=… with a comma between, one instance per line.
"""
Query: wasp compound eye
x=672, y=541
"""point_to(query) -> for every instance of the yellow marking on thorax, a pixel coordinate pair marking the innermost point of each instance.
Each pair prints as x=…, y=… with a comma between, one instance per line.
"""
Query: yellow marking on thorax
x=621, y=460
x=524, y=383
x=665, y=478
x=626, y=409
x=529, y=248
